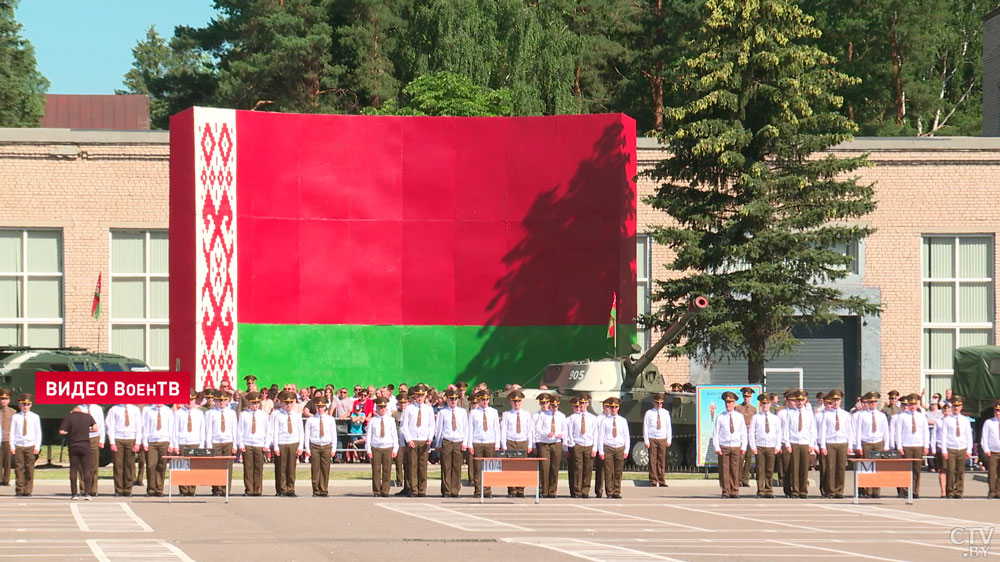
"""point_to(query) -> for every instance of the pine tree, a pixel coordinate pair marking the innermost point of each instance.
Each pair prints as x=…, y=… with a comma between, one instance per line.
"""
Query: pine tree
x=22, y=87
x=756, y=208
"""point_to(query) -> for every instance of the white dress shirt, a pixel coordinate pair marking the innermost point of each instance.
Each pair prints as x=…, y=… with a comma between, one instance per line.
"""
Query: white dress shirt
x=118, y=429
x=612, y=431
x=312, y=431
x=509, y=432
x=989, y=440
x=723, y=437
x=912, y=430
x=955, y=433
x=97, y=413
x=279, y=428
x=194, y=437
x=575, y=434
x=649, y=423
x=793, y=434
x=18, y=437
x=157, y=425
x=408, y=427
x=213, y=426
x=828, y=431
x=765, y=431
x=382, y=434
x=543, y=422
x=476, y=433
x=247, y=435
x=864, y=433
x=445, y=430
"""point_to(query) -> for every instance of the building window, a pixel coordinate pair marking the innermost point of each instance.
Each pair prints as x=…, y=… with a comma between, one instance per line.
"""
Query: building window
x=31, y=288
x=643, y=259
x=957, y=274
x=139, y=308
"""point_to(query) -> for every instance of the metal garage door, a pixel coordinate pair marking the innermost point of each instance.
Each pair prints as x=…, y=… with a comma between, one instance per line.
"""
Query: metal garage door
x=828, y=356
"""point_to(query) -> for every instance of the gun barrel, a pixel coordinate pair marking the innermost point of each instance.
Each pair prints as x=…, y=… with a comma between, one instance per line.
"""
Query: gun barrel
x=696, y=305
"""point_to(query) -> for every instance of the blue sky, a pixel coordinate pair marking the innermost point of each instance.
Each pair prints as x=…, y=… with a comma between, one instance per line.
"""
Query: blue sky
x=86, y=47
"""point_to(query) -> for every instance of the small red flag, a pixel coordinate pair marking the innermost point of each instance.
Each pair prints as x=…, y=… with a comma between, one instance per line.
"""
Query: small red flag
x=613, y=315
x=95, y=309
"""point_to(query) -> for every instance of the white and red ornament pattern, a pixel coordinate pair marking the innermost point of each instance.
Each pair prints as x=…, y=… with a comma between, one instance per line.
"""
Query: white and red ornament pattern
x=216, y=273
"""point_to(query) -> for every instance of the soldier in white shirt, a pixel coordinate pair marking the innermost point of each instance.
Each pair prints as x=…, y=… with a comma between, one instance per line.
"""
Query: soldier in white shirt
x=124, y=424
x=286, y=443
x=252, y=440
x=581, y=430
x=764, y=436
x=96, y=444
x=800, y=441
x=730, y=439
x=989, y=444
x=320, y=435
x=657, y=434
x=613, y=442
x=25, y=444
x=836, y=433
x=783, y=463
x=189, y=431
x=157, y=441
x=955, y=442
x=417, y=427
x=516, y=432
x=482, y=438
x=550, y=429
x=382, y=445
x=220, y=432
x=871, y=433
x=450, y=433
x=912, y=437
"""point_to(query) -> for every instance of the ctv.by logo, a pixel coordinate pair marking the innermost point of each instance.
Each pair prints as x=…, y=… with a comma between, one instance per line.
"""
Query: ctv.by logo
x=976, y=539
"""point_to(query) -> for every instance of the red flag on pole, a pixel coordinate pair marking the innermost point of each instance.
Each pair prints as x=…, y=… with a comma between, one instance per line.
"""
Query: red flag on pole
x=613, y=315
x=95, y=309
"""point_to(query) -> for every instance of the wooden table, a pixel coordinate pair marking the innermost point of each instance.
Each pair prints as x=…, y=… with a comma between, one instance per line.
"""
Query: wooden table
x=884, y=473
x=199, y=471
x=520, y=472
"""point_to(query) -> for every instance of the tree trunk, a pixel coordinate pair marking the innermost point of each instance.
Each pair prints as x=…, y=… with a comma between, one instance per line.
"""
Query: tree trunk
x=656, y=94
x=897, y=81
x=850, y=59
x=755, y=360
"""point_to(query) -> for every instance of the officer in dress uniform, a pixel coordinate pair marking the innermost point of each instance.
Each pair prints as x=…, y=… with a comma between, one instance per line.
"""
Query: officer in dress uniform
x=189, y=430
x=96, y=444
x=785, y=461
x=550, y=429
x=450, y=435
x=612, y=443
x=516, y=432
x=800, y=440
x=836, y=435
x=286, y=443
x=955, y=443
x=482, y=438
x=912, y=438
x=730, y=438
x=220, y=433
x=657, y=434
x=382, y=446
x=124, y=423
x=748, y=410
x=871, y=433
x=6, y=415
x=25, y=444
x=892, y=408
x=251, y=439
x=598, y=462
x=989, y=444
x=157, y=443
x=417, y=426
x=320, y=435
x=581, y=432
x=764, y=436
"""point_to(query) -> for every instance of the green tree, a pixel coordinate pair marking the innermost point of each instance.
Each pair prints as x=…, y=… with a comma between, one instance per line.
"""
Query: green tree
x=756, y=211
x=152, y=59
x=22, y=87
x=446, y=93
x=368, y=34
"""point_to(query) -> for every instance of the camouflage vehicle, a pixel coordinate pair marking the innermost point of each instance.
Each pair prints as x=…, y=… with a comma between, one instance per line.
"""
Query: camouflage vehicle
x=634, y=382
x=19, y=364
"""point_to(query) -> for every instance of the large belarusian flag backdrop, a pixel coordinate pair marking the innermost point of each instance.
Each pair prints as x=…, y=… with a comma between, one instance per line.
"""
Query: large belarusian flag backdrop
x=358, y=249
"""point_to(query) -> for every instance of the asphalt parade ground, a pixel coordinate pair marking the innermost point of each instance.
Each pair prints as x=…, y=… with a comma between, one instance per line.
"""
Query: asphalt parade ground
x=686, y=521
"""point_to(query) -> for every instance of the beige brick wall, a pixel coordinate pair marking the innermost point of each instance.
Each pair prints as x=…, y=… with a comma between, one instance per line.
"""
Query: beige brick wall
x=80, y=184
x=922, y=187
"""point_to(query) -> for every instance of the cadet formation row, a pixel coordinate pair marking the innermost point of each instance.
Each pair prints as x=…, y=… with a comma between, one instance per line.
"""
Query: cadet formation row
x=787, y=440
x=783, y=441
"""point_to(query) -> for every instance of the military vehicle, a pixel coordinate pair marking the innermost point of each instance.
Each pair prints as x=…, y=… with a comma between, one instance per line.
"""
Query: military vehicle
x=977, y=379
x=17, y=372
x=634, y=382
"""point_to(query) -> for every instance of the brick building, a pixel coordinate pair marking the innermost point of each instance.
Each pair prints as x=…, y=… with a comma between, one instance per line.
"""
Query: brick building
x=75, y=204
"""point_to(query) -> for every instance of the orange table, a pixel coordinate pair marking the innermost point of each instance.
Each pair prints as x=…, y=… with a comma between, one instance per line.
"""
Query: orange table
x=521, y=472
x=884, y=473
x=199, y=471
